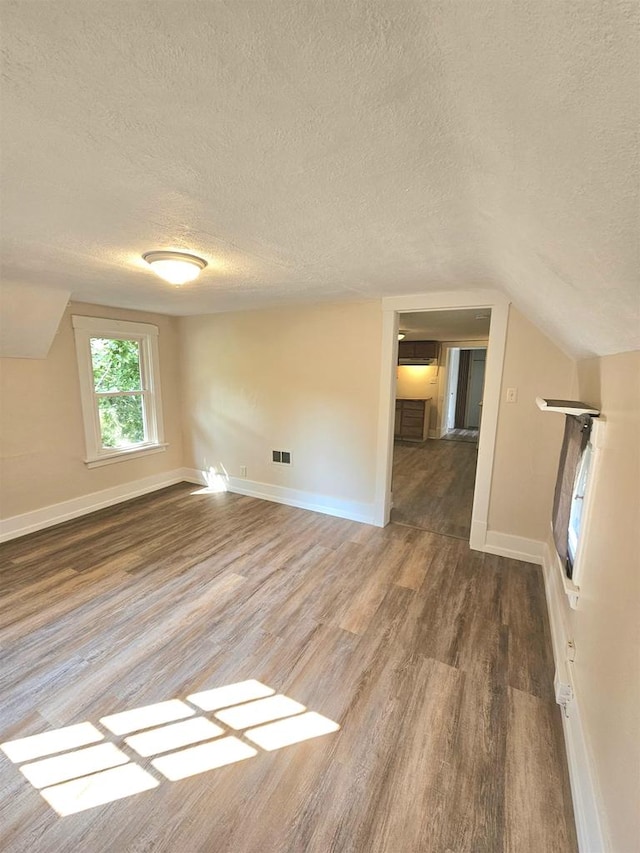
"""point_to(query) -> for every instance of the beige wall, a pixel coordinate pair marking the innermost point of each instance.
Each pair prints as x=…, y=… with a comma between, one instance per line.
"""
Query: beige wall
x=41, y=431
x=606, y=625
x=307, y=380
x=417, y=381
x=299, y=379
x=528, y=440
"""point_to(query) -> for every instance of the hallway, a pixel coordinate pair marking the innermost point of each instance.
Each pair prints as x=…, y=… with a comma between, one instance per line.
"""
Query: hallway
x=433, y=484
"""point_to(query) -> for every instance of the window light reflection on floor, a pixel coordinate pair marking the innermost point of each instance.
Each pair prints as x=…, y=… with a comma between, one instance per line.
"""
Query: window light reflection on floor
x=74, y=775
x=98, y=789
x=71, y=765
x=262, y=711
x=174, y=736
x=48, y=743
x=292, y=730
x=206, y=756
x=146, y=717
x=230, y=694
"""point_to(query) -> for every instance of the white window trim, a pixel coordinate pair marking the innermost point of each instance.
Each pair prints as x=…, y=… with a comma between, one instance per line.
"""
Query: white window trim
x=86, y=328
x=596, y=440
x=571, y=586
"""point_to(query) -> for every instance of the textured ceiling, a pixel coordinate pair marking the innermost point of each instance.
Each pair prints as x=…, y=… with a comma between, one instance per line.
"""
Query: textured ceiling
x=329, y=150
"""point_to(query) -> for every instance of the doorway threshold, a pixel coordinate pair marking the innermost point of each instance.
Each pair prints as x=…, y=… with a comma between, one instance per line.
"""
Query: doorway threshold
x=430, y=530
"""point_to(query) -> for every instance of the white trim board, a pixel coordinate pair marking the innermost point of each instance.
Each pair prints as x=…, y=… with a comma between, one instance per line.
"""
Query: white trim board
x=48, y=516
x=586, y=799
x=513, y=547
x=392, y=308
x=351, y=510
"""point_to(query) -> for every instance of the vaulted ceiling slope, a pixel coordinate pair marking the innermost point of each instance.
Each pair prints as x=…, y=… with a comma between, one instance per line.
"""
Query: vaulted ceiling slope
x=328, y=150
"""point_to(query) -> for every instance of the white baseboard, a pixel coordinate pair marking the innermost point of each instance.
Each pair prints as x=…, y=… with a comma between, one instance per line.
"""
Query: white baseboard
x=586, y=801
x=352, y=510
x=514, y=547
x=477, y=535
x=29, y=522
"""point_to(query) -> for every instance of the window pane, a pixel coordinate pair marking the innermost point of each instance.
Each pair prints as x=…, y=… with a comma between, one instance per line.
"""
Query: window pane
x=577, y=502
x=116, y=365
x=121, y=421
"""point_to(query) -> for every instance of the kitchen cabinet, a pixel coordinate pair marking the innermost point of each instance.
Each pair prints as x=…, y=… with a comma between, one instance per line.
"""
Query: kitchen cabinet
x=412, y=419
x=418, y=350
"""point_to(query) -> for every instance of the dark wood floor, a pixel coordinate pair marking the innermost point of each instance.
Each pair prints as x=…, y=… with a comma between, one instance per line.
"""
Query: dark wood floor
x=435, y=662
x=433, y=483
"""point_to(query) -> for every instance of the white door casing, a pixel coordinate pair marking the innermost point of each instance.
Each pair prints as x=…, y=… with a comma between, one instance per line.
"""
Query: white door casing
x=392, y=308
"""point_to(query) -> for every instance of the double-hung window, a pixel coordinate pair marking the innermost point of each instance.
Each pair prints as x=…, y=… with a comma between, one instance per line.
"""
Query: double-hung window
x=120, y=388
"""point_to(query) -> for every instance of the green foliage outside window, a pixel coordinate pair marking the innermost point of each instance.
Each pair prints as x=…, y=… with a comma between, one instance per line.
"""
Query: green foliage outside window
x=116, y=367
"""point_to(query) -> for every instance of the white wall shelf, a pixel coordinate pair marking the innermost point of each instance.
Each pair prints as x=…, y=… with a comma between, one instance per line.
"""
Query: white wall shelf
x=566, y=407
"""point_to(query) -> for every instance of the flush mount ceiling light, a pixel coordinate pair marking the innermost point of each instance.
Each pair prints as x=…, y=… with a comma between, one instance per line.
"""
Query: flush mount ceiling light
x=175, y=267
x=401, y=336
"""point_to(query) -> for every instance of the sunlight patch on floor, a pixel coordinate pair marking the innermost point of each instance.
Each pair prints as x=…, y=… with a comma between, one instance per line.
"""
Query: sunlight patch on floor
x=48, y=743
x=199, y=759
x=72, y=775
x=231, y=694
x=146, y=717
x=292, y=730
x=98, y=789
x=71, y=765
x=262, y=711
x=173, y=736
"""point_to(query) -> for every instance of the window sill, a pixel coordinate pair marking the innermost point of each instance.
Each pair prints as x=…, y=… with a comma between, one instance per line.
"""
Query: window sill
x=121, y=455
x=571, y=590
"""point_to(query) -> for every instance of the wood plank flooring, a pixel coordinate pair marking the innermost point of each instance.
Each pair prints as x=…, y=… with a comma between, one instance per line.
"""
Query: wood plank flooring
x=433, y=485
x=434, y=660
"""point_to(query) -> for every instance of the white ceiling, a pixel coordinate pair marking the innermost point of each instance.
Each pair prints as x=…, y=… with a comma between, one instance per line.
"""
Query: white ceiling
x=455, y=325
x=322, y=151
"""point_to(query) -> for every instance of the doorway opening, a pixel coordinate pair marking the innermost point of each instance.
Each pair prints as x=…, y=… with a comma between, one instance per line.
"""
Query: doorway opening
x=464, y=392
x=394, y=308
x=440, y=379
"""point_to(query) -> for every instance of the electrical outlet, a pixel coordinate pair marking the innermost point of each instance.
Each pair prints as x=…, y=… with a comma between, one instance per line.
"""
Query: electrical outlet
x=512, y=395
x=243, y=470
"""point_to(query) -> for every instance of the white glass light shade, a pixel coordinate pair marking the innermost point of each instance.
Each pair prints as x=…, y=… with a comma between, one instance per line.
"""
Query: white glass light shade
x=401, y=336
x=175, y=267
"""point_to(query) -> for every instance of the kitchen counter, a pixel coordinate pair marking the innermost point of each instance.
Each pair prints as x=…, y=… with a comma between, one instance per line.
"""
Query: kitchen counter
x=412, y=418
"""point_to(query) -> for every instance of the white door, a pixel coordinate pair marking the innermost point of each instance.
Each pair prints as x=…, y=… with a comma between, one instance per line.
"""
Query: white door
x=452, y=388
x=475, y=388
